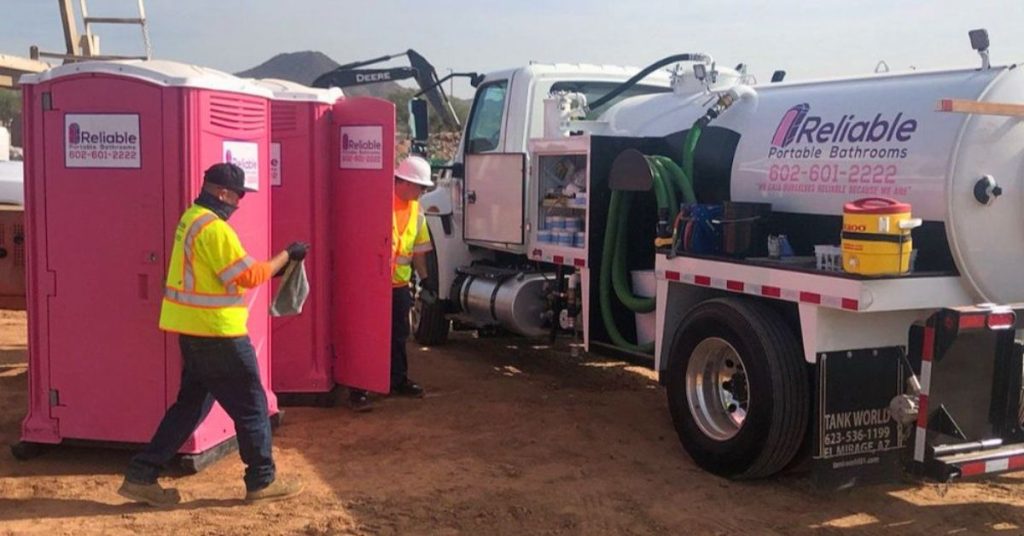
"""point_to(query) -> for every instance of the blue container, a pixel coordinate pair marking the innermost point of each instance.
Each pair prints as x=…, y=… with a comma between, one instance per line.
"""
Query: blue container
x=579, y=239
x=704, y=235
x=554, y=222
x=565, y=238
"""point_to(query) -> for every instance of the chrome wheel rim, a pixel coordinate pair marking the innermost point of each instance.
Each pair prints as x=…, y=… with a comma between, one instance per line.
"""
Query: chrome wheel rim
x=716, y=389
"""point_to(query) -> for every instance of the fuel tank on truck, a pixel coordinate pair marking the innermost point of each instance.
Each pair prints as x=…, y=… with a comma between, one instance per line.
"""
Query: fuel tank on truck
x=810, y=147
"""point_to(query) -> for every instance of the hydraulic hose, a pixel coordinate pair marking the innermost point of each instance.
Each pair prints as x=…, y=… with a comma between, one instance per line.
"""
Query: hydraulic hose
x=694, y=57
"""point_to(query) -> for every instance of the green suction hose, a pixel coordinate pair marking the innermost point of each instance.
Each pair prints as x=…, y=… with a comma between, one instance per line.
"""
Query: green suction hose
x=690, y=147
x=681, y=179
x=667, y=178
x=605, y=291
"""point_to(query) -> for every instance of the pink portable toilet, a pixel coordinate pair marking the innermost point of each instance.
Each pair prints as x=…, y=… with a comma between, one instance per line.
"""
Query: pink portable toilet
x=115, y=152
x=362, y=192
x=300, y=145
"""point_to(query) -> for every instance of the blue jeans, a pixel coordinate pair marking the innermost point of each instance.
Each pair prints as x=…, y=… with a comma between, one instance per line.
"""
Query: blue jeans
x=225, y=370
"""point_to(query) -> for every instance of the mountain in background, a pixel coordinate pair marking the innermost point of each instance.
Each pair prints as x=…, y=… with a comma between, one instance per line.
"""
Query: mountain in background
x=304, y=67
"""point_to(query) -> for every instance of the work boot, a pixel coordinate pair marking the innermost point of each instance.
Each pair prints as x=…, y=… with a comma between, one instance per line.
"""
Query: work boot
x=278, y=490
x=151, y=494
x=407, y=388
x=359, y=401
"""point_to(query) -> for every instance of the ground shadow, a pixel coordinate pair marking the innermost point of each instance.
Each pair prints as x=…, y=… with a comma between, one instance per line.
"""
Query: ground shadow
x=55, y=508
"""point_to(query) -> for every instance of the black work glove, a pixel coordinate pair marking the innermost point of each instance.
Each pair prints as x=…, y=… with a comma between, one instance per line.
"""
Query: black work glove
x=297, y=251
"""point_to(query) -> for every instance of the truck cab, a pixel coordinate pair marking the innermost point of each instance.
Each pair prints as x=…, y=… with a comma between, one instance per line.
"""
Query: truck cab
x=469, y=212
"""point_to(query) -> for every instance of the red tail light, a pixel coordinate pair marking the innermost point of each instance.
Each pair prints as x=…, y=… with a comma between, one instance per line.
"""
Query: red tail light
x=1003, y=320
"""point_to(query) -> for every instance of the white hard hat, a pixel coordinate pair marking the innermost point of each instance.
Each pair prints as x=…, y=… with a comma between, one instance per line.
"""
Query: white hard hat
x=415, y=170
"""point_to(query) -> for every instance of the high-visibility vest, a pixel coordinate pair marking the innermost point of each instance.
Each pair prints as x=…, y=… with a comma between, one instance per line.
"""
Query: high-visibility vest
x=200, y=298
x=413, y=238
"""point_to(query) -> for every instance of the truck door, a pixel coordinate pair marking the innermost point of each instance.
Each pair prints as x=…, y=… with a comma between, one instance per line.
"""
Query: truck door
x=495, y=181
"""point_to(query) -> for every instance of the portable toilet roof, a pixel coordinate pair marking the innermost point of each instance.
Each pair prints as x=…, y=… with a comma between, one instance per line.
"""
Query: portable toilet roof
x=288, y=90
x=160, y=72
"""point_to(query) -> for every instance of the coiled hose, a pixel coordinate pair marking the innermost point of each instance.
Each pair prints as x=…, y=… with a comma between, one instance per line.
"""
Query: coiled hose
x=669, y=183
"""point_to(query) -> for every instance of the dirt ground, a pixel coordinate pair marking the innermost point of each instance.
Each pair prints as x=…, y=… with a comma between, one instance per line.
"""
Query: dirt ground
x=510, y=440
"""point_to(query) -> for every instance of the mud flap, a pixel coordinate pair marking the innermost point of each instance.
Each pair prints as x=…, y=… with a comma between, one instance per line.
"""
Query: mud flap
x=855, y=439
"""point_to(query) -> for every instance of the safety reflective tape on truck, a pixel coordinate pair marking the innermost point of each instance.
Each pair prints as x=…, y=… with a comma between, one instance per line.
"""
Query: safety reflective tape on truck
x=992, y=466
x=927, y=352
x=768, y=291
x=577, y=262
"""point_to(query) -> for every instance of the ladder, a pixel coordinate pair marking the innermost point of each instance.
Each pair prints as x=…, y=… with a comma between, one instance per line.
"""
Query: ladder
x=87, y=46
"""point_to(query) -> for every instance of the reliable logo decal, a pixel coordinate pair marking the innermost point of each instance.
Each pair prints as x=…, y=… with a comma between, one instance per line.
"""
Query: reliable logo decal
x=349, y=144
x=78, y=136
x=74, y=134
x=362, y=147
x=798, y=127
x=247, y=164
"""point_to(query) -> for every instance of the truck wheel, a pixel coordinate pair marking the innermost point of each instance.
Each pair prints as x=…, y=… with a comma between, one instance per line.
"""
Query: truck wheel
x=429, y=324
x=738, y=389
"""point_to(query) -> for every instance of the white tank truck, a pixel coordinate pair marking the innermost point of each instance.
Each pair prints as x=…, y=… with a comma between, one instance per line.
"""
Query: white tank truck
x=773, y=347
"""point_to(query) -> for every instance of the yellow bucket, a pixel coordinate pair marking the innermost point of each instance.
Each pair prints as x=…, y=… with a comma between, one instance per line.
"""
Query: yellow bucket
x=876, y=236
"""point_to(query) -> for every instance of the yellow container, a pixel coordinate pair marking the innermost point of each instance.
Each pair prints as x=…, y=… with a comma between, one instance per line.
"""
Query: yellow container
x=876, y=236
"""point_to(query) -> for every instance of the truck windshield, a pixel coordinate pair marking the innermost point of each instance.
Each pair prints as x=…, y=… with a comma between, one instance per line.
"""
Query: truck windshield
x=596, y=90
x=485, y=119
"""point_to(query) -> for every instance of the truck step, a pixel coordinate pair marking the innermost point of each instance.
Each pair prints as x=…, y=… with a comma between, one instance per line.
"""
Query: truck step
x=1002, y=459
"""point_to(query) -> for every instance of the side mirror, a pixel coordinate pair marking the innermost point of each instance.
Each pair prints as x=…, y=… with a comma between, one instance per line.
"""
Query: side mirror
x=418, y=119
x=979, y=39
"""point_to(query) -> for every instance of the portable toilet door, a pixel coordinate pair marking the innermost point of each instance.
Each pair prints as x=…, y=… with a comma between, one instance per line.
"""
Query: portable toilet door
x=300, y=151
x=115, y=153
x=362, y=193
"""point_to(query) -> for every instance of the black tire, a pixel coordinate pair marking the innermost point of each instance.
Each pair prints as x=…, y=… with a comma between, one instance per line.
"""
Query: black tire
x=771, y=377
x=24, y=450
x=430, y=326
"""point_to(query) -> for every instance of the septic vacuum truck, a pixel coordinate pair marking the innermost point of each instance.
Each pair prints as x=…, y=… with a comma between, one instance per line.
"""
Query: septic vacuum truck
x=824, y=270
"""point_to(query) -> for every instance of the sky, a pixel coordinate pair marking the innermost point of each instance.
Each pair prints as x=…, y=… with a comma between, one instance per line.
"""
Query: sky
x=809, y=39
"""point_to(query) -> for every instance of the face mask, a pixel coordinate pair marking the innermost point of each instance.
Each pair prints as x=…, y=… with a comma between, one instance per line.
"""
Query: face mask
x=220, y=208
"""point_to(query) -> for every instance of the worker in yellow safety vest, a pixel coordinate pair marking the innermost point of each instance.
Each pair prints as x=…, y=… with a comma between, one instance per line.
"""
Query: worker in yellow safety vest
x=204, y=303
x=410, y=242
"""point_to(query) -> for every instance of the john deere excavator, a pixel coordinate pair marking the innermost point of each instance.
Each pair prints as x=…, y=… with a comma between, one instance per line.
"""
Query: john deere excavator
x=420, y=69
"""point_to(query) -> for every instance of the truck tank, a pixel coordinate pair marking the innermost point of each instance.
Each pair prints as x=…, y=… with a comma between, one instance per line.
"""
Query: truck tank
x=807, y=148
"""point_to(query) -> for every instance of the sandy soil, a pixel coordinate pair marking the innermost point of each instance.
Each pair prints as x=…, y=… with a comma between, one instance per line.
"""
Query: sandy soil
x=510, y=440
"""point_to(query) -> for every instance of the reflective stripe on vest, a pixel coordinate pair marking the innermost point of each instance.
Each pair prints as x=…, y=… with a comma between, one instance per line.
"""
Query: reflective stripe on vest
x=229, y=274
x=198, y=224
x=203, y=300
x=188, y=295
x=402, y=243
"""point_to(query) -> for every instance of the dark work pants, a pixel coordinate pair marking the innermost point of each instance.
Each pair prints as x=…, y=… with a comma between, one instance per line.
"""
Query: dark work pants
x=225, y=370
x=401, y=302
